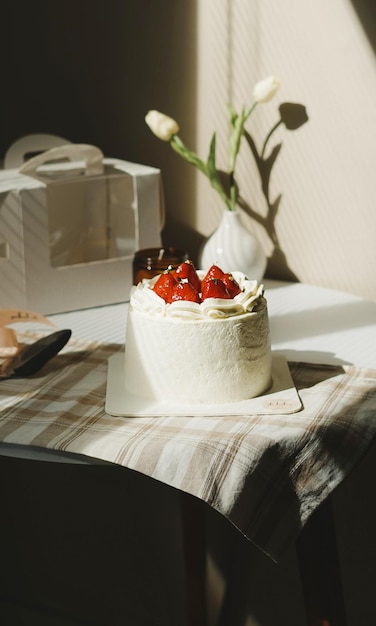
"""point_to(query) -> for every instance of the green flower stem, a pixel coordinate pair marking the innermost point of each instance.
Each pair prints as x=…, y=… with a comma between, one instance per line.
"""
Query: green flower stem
x=233, y=197
x=192, y=158
x=237, y=124
x=254, y=105
x=209, y=168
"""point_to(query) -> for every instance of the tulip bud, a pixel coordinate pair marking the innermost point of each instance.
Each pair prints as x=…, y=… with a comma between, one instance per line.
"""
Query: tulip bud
x=265, y=89
x=161, y=125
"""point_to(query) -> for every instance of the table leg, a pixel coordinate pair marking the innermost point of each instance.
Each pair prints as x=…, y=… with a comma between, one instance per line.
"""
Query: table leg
x=320, y=570
x=193, y=523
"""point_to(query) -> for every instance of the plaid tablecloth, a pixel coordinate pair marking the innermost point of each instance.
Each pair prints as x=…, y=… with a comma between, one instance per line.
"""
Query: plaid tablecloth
x=265, y=473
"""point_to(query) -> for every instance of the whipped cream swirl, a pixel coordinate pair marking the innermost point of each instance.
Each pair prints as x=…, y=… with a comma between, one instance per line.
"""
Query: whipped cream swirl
x=145, y=300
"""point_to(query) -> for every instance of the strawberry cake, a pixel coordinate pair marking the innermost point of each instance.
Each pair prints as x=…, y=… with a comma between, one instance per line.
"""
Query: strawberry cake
x=195, y=338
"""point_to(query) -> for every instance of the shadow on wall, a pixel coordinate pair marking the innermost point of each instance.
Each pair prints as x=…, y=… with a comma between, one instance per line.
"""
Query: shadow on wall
x=292, y=116
x=366, y=11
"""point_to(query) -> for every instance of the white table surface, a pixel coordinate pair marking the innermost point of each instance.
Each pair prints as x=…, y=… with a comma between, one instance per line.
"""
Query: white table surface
x=307, y=323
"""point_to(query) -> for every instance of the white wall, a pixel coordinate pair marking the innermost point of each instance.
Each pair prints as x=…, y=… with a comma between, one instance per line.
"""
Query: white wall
x=325, y=171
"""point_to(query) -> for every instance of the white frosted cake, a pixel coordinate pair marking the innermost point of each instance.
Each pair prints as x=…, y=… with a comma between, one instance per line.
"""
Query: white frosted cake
x=208, y=348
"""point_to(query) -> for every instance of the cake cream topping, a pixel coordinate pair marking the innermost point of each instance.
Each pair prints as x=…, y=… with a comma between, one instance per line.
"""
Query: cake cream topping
x=145, y=300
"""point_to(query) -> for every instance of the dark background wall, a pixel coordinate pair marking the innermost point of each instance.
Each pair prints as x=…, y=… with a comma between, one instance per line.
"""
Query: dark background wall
x=90, y=70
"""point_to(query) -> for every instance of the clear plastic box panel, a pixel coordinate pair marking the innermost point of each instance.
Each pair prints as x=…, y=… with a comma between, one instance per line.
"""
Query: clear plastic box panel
x=91, y=219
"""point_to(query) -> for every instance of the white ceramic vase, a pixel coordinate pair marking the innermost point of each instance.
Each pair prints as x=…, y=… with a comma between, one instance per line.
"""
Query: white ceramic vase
x=232, y=247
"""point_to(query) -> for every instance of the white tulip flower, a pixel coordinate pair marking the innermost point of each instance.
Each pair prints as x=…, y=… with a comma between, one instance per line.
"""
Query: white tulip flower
x=291, y=115
x=163, y=126
x=265, y=89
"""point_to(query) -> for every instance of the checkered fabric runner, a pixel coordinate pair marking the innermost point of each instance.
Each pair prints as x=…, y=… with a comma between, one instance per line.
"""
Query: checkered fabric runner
x=265, y=473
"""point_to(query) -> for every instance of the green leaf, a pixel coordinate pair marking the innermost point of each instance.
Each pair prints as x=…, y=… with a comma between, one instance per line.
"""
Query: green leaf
x=212, y=171
x=211, y=168
x=232, y=115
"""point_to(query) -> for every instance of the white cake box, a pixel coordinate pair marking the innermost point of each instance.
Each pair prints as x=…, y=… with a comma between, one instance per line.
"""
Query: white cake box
x=70, y=222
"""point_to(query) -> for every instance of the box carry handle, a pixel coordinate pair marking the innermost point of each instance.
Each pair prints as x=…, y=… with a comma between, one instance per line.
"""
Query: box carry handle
x=91, y=155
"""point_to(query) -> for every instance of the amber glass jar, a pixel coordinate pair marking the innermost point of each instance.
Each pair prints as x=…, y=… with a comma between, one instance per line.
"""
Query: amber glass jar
x=151, y=261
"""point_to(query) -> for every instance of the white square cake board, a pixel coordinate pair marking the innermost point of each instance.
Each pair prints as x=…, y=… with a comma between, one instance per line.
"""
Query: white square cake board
x=281, y=398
